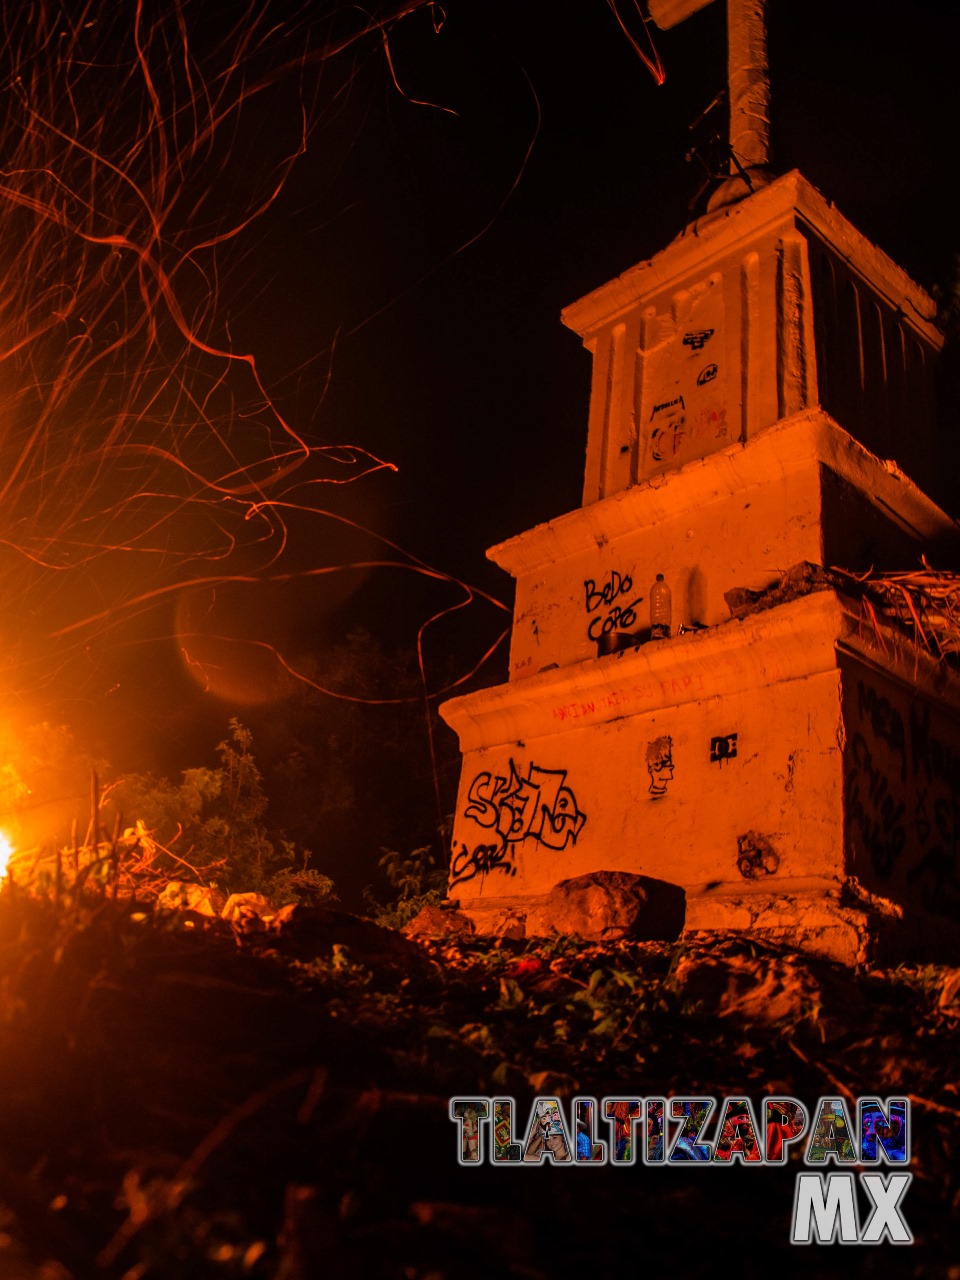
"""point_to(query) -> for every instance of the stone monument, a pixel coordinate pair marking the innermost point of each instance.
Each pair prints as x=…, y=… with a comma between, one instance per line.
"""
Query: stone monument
x=761, y=407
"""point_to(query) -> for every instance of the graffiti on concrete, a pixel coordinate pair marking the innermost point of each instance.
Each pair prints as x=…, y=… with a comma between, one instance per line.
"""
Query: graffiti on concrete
x=901, y=791
x=936, y=759
x=537, y=806
x=937, y=870
x=660, y=765
x=697, y=341
x=756, y=856
x=675, y=404
x=481, y=860
x=706, y=375
x=921, y=817
x=886, y=722
x=644, y=694
x=610, y=597
x=876, y=810
x=723, y=748
x=711, y=424
x=668, y=429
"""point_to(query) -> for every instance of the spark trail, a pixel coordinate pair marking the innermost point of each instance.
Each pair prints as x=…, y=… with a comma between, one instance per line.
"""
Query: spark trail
x=141, y=453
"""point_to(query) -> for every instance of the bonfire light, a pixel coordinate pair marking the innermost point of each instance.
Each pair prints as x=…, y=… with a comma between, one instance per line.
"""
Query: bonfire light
x=6, y=853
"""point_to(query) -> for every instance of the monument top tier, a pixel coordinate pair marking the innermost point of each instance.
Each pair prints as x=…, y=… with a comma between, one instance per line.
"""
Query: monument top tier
x=758, y=311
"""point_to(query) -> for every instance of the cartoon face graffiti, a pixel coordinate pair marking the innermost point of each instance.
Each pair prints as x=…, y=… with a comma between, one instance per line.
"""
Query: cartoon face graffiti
x=667, y=423
x=660, y=765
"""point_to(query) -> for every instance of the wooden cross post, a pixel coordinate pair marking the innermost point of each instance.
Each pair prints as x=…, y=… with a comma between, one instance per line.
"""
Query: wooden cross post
x=749, y=89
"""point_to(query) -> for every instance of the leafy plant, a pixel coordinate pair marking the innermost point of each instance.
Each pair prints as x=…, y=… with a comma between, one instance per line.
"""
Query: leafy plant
x=212, y=826
x=419, y=882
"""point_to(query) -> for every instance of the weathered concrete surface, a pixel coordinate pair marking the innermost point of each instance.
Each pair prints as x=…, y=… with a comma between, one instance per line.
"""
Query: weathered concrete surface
x=658, y=761
x=813, y=923
x=600, y=906
x=604, y=906
x=747, y=384
x=756, y=313
x=607, y=906
x=804, y=490
x=800, y=740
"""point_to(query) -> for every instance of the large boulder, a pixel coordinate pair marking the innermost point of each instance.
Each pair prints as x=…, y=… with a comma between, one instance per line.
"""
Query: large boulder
x=604, y=906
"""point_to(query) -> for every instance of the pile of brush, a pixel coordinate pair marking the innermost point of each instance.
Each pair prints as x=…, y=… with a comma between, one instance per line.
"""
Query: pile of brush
x=925, y=602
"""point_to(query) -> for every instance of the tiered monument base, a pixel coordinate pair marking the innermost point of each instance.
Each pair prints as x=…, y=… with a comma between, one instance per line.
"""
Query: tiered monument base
x=795, y=773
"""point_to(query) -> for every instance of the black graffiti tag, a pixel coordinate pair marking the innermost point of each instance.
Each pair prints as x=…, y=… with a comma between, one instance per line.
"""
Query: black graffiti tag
x=885, y=721
x=618, y=584
x=697, y=341
x=481, y=861
x=538, y=806
x=667, y=435
x=723, y=748
x=619, y=615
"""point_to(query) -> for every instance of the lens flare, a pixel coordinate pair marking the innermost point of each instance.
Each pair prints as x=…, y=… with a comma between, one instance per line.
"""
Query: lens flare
x=147, y=152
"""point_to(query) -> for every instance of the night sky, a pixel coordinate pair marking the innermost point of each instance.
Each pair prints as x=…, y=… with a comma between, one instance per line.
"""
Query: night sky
x=402, y=294
x=451, y=360
x=469, y=382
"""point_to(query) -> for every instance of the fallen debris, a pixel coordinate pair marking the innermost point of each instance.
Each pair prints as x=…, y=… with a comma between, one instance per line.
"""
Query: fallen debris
x=274, y=1105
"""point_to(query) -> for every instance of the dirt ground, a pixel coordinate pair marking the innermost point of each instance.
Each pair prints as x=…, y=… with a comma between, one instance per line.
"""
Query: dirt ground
x=183, y=1098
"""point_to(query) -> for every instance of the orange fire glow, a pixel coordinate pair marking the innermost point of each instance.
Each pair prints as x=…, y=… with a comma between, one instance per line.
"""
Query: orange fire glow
x=6, y=852
x=143, y=456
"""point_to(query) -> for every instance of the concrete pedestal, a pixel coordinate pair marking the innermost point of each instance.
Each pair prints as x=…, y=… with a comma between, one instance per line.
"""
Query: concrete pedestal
x=795, y=772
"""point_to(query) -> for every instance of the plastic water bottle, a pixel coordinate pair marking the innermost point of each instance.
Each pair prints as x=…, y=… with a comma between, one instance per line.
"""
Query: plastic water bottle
x=660, y=609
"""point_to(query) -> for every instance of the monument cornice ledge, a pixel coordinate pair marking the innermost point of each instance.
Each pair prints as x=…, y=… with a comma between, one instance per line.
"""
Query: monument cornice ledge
x=790, y=446
x=713, y=236
x=789, y=642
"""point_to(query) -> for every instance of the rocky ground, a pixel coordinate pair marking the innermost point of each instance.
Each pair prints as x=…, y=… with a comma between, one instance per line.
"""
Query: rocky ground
x=190, y=1097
